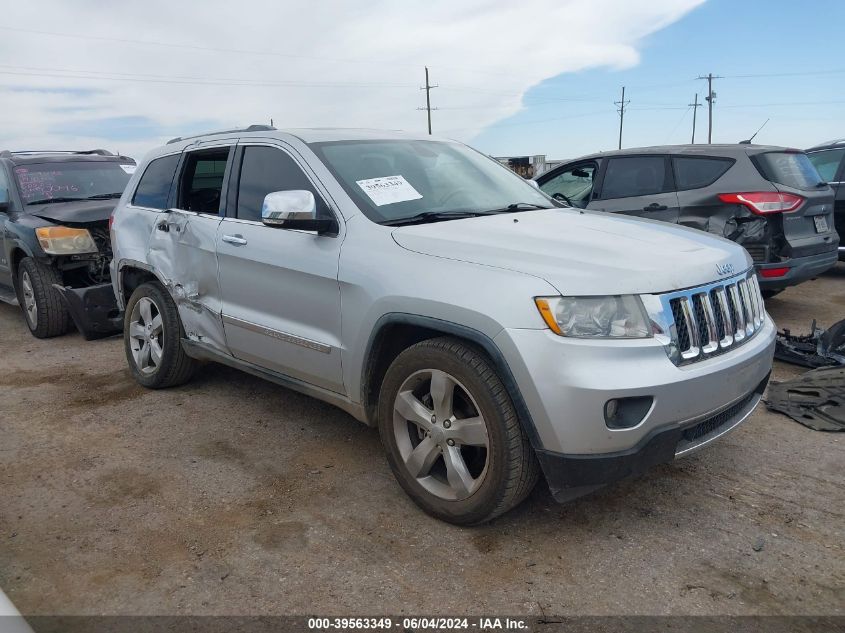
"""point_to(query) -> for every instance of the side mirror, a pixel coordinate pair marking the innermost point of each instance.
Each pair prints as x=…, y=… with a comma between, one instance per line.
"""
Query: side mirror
x=4, y=199
x=534, y=183
x=296, y=209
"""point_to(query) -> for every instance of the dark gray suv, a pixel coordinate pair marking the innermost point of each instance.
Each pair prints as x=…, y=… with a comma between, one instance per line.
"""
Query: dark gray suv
x=829, y=160
x=771, y=200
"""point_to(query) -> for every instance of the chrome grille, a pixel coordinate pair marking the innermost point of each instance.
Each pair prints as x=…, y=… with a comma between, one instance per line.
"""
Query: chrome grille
x=713, y=319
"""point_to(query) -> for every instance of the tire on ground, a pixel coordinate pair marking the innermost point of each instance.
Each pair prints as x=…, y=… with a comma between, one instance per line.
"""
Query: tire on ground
x=512, y=468
x=176, y=366
x=52, y=318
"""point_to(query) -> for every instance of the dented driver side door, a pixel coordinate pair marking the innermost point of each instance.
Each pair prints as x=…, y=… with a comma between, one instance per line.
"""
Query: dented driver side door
x=182, y=245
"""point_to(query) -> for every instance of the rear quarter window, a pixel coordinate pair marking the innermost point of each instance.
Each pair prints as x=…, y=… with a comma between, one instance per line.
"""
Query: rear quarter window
x=791, y=169
x=694, y=173
x=153, y=189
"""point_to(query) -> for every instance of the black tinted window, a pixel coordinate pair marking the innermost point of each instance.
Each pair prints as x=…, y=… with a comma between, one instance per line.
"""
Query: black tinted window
x=827, y=162
x=635, y=176
x=692, y=173
x=265, y=170
x=202, y=180
x=792, y=169
x=154, y=187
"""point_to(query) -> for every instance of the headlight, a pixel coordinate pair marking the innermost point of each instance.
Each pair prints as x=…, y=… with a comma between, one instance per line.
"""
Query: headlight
x=63, y=240
x=595, y=317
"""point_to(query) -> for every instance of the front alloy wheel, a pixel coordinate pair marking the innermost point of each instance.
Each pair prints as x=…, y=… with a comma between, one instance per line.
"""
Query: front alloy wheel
x=441, y=434
x=452, y=434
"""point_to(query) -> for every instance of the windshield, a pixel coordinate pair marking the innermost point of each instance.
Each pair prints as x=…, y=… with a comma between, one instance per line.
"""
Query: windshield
x=75, y=180
x=394, y=179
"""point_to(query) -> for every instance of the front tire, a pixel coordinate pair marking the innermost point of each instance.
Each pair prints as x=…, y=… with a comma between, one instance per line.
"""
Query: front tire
x=152, y=337
x=452, y=435
x=44, y=312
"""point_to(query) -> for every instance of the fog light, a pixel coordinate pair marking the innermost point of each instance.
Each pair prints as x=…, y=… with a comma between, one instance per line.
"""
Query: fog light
x=626, y=413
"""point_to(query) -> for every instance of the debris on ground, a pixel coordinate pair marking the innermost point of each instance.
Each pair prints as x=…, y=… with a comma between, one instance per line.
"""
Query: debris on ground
x=759, y=544
x=815, y=399
x=819, y=348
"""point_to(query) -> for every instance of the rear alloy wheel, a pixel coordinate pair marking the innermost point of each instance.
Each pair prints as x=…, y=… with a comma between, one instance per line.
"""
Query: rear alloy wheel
x=152, y=336
x=452, y=435
x=146, y=334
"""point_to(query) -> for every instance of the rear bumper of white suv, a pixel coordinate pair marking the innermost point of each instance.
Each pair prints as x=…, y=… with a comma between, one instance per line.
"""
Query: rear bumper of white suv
x=567, y=383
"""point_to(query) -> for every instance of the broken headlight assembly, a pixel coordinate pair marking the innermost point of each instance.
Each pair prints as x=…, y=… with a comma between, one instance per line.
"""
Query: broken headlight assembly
x=619, y=316
x=64, y=240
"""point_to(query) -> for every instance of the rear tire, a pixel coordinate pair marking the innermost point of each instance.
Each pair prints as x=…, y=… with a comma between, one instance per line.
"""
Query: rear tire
x=452, y=435
x=152, y=338
x=44, y=312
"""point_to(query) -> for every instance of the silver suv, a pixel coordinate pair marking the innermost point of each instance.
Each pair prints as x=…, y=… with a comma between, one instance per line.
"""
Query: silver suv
x=489, y=332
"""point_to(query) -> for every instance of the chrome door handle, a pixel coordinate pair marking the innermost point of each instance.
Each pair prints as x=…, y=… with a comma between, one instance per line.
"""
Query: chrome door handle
x=237, y=240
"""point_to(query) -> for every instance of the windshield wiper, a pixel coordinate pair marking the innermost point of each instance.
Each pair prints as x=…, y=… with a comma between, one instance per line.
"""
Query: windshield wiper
x=51, y=200
x=432, y=216
x=104, y=196
x=516, y=207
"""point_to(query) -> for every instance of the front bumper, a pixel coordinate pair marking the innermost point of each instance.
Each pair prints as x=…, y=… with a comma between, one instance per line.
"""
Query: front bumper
x=566, y=383
x=93, y=309
x=800, y=269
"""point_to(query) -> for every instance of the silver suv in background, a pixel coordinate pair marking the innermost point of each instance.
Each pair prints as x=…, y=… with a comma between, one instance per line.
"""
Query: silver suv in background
x=489, y=333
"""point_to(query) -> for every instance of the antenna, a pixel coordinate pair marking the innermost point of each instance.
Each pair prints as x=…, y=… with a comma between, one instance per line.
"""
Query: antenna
x=748, y=141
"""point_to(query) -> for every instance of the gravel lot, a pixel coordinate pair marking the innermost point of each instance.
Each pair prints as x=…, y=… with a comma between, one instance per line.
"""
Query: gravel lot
x=234, y=496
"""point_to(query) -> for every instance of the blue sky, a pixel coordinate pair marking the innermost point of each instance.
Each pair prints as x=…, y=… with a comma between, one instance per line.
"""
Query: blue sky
x=730, y=38
x=533, y=77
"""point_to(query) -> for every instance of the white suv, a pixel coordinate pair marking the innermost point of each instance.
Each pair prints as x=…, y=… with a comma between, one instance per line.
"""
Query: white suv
x=490, y=333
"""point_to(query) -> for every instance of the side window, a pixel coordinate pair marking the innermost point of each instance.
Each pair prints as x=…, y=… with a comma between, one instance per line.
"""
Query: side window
x=693, y=173
x=201, y=184
x=267, y=169
x=154, y=187
x=5, y=193
x=827, y=162
x=635, y=176
x=574, y=184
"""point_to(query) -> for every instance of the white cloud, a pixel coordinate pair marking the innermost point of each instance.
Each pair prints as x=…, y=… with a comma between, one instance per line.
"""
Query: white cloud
x=483, y=54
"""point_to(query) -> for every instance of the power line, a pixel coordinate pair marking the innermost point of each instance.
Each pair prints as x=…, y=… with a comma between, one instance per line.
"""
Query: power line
x=428, y=87
x=678, y=124
x=199, y=81
x=621, y=103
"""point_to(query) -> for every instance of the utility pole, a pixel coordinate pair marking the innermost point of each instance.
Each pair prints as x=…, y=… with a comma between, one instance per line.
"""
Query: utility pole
x=621, y=110
x=710, y=98
x=695, y=106
x=428, y=107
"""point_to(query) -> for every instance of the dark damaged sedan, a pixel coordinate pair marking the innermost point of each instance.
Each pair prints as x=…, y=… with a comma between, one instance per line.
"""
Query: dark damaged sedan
x=771, y=200
x=55, y=248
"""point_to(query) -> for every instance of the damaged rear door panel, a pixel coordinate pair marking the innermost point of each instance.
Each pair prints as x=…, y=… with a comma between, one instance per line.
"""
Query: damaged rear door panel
x=182, y=244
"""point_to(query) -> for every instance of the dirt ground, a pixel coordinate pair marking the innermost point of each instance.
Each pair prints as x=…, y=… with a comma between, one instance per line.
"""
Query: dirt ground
x=234, y=496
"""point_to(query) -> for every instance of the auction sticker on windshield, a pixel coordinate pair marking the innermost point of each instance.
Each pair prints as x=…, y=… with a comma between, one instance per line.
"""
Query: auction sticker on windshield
x=388, y=190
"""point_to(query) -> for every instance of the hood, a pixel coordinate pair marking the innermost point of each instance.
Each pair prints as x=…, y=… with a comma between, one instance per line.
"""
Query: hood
x=583, y=253
x=82, y=212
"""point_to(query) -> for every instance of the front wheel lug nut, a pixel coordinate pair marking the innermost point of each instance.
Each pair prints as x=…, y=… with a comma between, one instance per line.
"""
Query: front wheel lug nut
x=450, y=442
x=446, y=424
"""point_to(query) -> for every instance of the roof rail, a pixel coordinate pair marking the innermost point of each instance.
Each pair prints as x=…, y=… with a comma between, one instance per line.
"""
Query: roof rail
x=251, y=128
x=98, y=152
